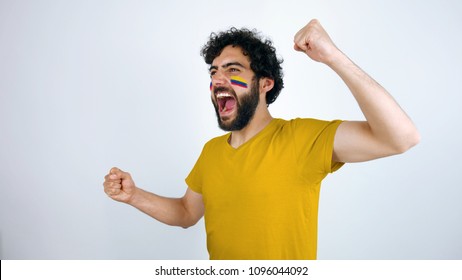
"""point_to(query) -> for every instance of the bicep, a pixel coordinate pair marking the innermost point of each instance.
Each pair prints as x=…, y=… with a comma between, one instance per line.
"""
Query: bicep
x=194, y=205
x=355, y=142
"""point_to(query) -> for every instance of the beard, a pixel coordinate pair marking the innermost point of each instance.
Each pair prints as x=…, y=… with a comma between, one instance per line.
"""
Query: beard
x=245, y=106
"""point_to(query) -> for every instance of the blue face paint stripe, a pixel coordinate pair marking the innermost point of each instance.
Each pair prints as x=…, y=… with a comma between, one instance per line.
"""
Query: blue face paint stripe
x=238, y=81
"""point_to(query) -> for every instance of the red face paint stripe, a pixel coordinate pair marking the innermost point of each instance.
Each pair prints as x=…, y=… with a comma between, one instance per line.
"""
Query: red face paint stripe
x=238, y=81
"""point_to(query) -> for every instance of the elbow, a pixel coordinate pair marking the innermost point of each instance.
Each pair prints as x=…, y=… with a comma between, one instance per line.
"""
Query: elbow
x=188, y=224
x=189, y=221
x=407, y=142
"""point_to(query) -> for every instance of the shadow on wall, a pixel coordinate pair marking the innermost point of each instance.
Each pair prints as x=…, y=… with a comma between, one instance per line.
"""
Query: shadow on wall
x=1, y=246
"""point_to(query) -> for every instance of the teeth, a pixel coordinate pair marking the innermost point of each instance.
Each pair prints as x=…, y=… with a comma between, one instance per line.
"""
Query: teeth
x=223, y=94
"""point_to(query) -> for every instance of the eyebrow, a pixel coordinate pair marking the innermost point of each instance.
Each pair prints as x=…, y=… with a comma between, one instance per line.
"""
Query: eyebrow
x=226, y=65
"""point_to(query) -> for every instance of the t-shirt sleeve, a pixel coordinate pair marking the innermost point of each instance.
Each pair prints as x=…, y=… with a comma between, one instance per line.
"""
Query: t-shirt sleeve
x=314, y=144
x=195, y=179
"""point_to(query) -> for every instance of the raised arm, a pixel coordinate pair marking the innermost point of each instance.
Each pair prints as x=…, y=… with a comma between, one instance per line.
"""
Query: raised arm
x=387, y=129
x=184, y=212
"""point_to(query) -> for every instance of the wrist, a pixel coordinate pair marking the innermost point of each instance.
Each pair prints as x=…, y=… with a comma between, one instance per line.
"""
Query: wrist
x=336, y=59
x=135, y=196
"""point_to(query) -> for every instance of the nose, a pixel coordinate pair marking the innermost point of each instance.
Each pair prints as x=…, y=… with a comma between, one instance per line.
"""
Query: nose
x=219, y=78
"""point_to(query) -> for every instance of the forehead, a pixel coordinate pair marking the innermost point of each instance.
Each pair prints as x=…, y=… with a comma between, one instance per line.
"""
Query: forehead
x=230, y=53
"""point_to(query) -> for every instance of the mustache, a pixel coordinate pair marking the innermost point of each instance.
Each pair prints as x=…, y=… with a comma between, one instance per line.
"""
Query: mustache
x=222, y=88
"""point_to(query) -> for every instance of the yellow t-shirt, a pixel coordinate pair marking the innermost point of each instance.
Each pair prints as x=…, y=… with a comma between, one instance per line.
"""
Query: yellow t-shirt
x=261, y=199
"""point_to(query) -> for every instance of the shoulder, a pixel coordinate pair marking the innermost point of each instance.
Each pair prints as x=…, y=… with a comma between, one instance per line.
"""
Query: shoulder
x=308, y=124
x=311, y=122
x=308, y=131
x=218, y=141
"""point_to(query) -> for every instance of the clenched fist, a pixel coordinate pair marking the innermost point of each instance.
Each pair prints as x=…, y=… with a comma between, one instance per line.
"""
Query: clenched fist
x=315, y=42
x=119, y=185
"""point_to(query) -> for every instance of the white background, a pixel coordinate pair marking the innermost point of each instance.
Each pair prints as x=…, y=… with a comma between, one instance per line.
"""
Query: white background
x=87, y=85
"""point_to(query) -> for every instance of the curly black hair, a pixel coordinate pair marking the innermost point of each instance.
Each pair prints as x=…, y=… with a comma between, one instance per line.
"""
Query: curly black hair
x=262, y=54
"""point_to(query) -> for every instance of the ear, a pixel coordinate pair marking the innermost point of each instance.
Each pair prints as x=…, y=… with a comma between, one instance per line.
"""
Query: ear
x=266, y=84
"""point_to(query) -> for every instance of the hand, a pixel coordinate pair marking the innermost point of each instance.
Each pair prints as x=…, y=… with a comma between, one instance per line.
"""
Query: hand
x=119, y=185
x=315, y=42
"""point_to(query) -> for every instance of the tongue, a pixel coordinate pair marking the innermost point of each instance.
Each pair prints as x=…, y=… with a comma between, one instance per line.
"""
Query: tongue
x=230, y=103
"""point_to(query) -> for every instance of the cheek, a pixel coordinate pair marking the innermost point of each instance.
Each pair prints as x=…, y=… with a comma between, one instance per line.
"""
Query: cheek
x=214, y=101
x=239, y=82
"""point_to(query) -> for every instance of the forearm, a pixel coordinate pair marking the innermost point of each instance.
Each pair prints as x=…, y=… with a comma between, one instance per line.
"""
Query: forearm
x=170, y=211
x=387, y=121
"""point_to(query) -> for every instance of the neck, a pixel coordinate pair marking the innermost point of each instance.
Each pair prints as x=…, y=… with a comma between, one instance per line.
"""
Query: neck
x=259, y=121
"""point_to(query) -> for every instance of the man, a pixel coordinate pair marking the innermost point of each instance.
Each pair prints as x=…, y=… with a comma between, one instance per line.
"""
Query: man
x=258, y=186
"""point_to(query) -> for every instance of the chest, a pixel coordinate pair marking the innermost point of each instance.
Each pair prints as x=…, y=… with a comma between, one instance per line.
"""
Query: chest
x=256, y=173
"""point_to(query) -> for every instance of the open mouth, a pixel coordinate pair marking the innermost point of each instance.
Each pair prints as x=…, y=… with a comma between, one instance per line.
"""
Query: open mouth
x=226, y=102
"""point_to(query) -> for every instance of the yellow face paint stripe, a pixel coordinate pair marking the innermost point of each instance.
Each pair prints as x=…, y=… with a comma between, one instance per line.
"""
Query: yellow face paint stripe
x=238, y=81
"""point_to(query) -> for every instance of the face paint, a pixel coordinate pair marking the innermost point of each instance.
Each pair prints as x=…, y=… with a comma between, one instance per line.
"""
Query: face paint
x=238, y=81
x=235, y=81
